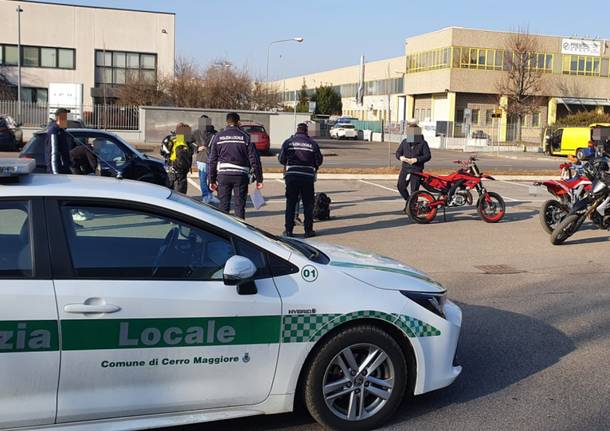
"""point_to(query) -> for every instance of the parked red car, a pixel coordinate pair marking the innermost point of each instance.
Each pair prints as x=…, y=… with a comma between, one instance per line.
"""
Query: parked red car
x=258, y=135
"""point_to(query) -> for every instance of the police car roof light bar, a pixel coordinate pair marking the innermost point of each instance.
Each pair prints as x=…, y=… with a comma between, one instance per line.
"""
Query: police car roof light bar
x=16, y=167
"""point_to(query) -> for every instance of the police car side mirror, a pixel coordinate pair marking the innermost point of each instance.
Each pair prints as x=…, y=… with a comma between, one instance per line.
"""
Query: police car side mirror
x=238, y=271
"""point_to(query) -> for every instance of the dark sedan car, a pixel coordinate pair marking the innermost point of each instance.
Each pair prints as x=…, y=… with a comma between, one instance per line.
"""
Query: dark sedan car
x=11, y=135
x=114, y=154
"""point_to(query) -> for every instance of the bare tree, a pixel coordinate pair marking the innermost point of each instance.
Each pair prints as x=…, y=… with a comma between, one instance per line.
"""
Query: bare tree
x=7, y=88
x=571, y=86
x=220, y=85
x=226, y=86
x=185, y=88
x=141, y=92
x=265, y=97
x=522, y=81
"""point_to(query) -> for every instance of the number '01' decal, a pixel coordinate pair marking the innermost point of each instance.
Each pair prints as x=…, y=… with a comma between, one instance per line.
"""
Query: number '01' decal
x=309, y=273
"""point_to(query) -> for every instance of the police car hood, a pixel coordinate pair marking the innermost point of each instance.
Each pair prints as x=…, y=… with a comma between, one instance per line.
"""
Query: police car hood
x=378, y=271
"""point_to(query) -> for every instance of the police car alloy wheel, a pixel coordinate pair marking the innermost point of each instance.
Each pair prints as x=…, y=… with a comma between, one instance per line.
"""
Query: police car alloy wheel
x=357, y=379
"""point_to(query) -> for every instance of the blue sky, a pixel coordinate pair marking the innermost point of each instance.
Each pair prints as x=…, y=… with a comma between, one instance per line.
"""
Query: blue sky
x=337, y=32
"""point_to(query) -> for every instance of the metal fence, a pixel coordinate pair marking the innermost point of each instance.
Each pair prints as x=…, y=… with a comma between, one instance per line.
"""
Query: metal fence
x=115, y=117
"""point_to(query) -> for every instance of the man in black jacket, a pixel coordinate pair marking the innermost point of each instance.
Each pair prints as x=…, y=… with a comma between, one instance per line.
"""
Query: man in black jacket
x=203, y=136
x=301, y=158
x=57, y=149
x=232, y=157
x=413, y=152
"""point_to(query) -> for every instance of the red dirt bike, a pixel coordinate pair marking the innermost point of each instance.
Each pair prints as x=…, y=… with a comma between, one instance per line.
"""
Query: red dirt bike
x=455, y=190
x=569, y=189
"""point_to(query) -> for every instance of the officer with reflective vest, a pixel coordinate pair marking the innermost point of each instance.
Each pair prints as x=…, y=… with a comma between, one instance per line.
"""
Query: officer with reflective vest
x=232, y=158
x=301, y=158
x=180, y=158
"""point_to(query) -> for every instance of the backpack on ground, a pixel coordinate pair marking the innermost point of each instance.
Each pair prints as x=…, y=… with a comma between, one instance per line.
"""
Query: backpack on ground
x=321, y=207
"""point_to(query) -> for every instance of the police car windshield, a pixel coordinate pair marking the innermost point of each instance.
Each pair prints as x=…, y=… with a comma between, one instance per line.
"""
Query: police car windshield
x=307, y=250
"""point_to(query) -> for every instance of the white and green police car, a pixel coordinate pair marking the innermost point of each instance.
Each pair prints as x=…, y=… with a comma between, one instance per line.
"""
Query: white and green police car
x=126, y=306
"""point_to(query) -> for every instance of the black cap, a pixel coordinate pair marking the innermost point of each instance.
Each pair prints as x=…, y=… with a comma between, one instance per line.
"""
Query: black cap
x=62, y=111
x=302, y=127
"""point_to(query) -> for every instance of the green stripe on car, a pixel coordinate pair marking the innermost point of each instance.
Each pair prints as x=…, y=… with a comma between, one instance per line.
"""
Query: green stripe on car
x=108, y=334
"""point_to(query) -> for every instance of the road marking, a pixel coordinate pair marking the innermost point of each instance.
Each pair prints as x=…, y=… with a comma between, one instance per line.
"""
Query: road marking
x=194, y=183
x=378, y=185
x=280, y=181
x=516, y=184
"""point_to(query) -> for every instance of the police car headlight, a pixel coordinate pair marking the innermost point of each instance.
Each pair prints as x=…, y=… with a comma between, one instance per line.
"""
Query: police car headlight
x=433, y=302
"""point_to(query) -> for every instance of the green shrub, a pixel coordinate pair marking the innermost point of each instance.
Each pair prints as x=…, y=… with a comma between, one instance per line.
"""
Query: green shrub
x=582, y=119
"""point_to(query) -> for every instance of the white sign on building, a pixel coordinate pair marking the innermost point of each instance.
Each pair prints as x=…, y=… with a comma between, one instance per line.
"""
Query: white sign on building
x=581, y=47
x=68, y=96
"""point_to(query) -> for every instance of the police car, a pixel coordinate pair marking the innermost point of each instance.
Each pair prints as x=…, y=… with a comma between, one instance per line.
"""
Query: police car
x=124, y=305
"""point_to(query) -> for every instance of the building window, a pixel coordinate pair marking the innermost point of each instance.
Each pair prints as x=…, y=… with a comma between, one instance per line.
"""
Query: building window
x=48, y=57
x=10, y=55
x=488, y=117
x=30, y=56
x=429, y=60
x=581, y=65
x=536, y=119
x=37, y=56
x=65, y=59
x=459, y=116
x=473, y=58
x=475, y=116
x=118, y=67
x=38, y=96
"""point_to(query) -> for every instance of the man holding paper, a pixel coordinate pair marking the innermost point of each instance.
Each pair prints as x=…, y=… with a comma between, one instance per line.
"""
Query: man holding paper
x=232, y=156
x=413, y=152
x=301, y=158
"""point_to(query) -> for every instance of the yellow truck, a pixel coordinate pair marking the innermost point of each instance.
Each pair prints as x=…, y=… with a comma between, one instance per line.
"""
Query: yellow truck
x=569, y=141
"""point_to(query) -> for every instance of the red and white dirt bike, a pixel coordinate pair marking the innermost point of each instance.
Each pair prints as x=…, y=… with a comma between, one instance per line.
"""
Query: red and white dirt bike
x=569, y=189
x=455, y=190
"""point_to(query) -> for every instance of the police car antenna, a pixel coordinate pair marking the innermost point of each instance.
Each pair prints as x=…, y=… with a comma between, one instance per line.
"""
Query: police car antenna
x=119, y=175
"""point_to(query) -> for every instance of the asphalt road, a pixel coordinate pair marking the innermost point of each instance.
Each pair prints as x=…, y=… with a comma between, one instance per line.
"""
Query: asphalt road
x=363, y=154
x=535, y=341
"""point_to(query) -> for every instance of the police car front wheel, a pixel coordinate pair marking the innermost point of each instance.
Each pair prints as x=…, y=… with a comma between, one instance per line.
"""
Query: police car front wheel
x=356, y=380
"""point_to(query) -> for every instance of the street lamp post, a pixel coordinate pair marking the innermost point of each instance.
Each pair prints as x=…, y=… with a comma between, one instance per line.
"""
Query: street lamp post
x=19, y=10
x=294, y=39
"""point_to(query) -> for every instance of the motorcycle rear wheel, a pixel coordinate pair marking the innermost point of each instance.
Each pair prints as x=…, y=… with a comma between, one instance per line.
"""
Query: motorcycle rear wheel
x=419, y=208
x=565, y=229
x=551, y=214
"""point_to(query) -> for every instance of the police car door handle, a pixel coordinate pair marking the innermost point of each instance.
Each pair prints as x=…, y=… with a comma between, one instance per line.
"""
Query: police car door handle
x=91, y=309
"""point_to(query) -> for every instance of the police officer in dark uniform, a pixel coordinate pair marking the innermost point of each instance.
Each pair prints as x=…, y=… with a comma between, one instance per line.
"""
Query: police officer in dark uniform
x=413, y=152
x=232, y=157
x=57, y=149
x=301, y=158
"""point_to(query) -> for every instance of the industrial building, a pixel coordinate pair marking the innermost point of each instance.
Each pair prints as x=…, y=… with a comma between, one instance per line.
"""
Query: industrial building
x=93, y=49
x=449, y=80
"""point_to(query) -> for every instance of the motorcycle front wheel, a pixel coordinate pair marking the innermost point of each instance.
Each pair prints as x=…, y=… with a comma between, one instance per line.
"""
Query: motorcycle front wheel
x=419, y=208
x=551, y=214
x=566, y=229
x=491, y=207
